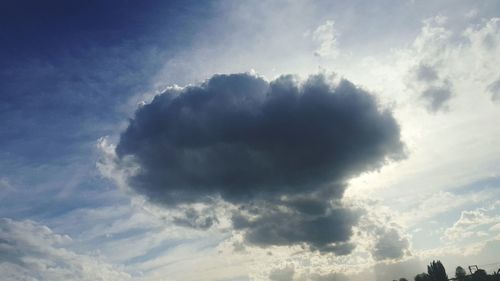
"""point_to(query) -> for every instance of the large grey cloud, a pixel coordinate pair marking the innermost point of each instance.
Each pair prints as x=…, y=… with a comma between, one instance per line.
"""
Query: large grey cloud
x=280, y=150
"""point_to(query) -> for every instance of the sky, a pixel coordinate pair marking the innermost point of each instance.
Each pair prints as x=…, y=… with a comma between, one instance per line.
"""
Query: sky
x=248, y=140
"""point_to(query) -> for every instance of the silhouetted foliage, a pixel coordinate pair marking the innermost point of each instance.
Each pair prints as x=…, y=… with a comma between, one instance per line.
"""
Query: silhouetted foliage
x=480, y=275
x=422, y=277
x=460, y=273
x=436, y=271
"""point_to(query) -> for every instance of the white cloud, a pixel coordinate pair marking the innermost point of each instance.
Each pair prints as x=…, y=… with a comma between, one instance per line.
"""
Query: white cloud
x=476, y=223
x=429, y=205
x=447, y=150
x=31, y=251
x=282, y=274
x=326, y=37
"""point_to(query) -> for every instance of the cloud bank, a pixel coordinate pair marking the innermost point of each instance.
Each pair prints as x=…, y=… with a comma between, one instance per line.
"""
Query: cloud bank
x=30, y=251
x=279, y=151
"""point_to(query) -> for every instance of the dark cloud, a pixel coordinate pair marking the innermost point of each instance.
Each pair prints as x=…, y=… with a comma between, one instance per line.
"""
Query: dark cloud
x=241, y=137
x=328, y=231
x=280, y=151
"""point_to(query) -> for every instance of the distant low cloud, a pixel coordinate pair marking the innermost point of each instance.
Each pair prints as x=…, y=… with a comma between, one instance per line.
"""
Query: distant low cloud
x=390, y=245
x=480, y=222
x=446, y=64
x=329, y=277
x=279, y=151
x=383, y=237
x=407, y=268
x=30, y=251
x=289, y=274
x=282, y=274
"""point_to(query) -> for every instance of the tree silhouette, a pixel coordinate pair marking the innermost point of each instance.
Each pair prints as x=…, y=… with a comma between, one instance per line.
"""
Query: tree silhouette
x=437, y=272
x=422, y=277
x=480, y=275
x=460, y=273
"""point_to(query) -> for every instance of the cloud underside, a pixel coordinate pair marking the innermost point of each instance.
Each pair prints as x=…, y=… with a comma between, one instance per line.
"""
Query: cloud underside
x=279, y=151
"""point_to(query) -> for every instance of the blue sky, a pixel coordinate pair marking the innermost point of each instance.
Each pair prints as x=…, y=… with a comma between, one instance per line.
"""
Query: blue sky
x=74, y=73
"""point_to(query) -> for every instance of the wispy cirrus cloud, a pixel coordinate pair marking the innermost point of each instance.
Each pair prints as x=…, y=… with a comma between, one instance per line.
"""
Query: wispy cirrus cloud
x=31, y=251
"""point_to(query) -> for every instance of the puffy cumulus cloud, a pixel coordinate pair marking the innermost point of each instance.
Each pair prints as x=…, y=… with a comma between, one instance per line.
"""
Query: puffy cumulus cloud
x=241, y=137
x=326, y=38
x=282, y=274
x=476, y=223
x=279, y=152
x=380, y=235
x=289, y=273
x=428, y=77
x=390, y=245
x=30, y=251
x=444, y=62
x=435, y=91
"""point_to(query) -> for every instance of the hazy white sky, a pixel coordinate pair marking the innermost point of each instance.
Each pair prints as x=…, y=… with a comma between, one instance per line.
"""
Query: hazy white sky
x=69, y=211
